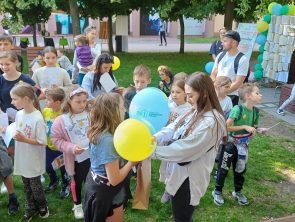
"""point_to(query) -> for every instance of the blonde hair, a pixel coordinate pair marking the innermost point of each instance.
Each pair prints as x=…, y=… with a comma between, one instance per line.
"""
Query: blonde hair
x=12, y=56
x=142, y=70
x=181, y=76
x=81, y=39
x=222, y=81
x=66, y=106
x=179, y=83
x=104, y=116
x=26, y=90
x=166, y=70
x=246, y=89
x=56, y=94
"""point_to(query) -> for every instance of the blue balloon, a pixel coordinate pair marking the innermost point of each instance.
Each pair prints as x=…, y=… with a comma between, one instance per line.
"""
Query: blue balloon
x=276, y=9
x=150, y=106
x=209, y=67
x=261, y=39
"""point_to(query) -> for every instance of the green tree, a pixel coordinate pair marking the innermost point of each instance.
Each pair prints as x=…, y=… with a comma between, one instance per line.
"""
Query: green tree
x=28, y=12
x=174, y=10
x=109, y=8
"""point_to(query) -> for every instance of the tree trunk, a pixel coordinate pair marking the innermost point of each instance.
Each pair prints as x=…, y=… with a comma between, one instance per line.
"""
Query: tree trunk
x=110, y=35
x=229, y=14
x=34, y=35
x=75, y=17
x=181, y=21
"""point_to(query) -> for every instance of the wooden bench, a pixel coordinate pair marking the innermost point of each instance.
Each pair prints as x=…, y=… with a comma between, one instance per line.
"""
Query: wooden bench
x=285, y=93
x=32, y=53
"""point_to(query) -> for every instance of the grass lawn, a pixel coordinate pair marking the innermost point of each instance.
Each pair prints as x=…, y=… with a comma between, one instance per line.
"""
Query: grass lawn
x=194, y=39
x=267, y=185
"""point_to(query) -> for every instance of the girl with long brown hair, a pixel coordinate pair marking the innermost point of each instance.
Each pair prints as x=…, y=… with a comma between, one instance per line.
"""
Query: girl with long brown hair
x=104, y=190
x=194, y=139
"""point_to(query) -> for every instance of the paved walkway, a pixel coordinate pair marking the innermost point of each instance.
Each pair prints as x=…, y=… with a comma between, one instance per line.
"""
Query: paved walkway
x=270, y=102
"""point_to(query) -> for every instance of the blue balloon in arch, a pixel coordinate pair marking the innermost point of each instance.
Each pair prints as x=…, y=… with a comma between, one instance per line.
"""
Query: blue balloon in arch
x=209, y=67
x=276, y=9
x=261, y=39
x=150, y=106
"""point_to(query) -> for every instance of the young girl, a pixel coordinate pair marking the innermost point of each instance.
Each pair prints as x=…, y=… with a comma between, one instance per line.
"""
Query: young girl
x=9, y=64
x=104, y=190
x=178, y=107
x=51, y=76
x=90, y=33
x=30, y=137
x=222, y=85
x=68, y=134
x=193, y=140
x=166, y=77
x=84, y=56
x=91, y=82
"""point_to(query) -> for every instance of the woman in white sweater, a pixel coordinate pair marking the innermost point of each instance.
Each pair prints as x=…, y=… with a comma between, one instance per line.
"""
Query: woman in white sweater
x=193, y=140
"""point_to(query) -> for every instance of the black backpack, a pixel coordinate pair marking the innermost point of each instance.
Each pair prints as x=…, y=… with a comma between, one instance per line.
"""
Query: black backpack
x=236, y=63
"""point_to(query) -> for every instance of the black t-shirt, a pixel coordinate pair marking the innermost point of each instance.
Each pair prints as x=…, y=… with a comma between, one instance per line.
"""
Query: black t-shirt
x=6, y=86
x=21, y=61
x=216, y=48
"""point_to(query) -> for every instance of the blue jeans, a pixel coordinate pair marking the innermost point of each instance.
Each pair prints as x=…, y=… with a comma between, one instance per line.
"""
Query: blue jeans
x=70, y=73
x=80, y=78
x=50, y=156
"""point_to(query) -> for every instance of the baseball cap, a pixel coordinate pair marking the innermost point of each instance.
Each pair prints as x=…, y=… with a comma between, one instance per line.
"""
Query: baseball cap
x=233, y=35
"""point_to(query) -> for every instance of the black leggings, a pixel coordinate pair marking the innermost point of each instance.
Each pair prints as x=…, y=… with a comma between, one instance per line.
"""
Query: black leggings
x=81, y=170
x=181, y=208
x=229, y=155
x=163, y=35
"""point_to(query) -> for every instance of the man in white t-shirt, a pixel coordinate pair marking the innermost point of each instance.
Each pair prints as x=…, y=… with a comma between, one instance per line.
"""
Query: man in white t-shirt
x=225, y=65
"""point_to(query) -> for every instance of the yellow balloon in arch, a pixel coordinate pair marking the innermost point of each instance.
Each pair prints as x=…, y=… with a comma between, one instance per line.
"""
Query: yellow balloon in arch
x=116, y=63
x=133, y=140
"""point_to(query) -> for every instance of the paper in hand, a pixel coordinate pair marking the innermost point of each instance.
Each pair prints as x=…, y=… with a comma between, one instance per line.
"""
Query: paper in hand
x=107, y=82
x=9, y=134
x=3, y=120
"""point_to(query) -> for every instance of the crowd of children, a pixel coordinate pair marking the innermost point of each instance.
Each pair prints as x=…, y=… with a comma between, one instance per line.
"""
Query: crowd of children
x=76, y=124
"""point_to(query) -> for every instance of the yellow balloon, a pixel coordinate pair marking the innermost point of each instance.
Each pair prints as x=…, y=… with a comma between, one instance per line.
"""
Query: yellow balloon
x=291, y=10
x=262, y=26
x=116, y=63
x=133, y=140
x=270, y=7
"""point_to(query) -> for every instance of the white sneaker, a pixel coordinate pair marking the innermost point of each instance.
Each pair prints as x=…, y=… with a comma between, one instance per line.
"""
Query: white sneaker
x=3, y=188
x=78, y=211
x=42, y=179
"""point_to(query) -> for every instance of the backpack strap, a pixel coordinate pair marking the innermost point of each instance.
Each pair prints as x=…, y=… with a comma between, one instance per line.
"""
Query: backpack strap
x=255, y=113
x=221, y=57
x=237, y=60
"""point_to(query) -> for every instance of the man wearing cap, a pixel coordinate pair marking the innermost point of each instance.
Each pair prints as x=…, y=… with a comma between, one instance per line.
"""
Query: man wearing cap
x=225, y=64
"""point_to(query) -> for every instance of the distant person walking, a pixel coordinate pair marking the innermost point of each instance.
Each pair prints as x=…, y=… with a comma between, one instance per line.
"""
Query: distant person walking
x=163, y=28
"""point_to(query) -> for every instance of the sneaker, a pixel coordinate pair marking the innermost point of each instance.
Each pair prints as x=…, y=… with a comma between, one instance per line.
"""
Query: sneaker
x=217, y=197
x=29, y=214
x=65, y=191
x=3, y=188
x=242, y=200
x=161, y=44
x=166, y=197
x=280, y=112
x=78, y=211
x=13, y=206
x=44, y=212
x=42, y=179
x=166, y=44
x=51, y=187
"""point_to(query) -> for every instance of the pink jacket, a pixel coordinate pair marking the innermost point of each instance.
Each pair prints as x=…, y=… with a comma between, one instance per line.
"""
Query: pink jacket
x=62, y=142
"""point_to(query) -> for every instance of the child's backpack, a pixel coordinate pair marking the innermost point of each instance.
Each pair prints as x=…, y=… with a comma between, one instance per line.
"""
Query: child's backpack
x=236, y=63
